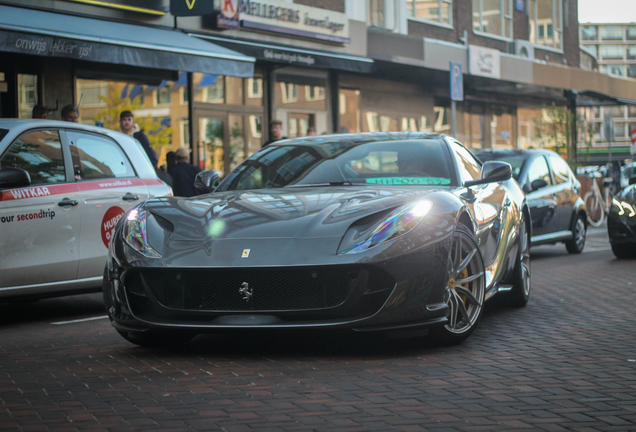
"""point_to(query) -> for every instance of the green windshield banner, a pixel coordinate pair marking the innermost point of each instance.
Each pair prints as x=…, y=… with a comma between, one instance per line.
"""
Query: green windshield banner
x=409, y=181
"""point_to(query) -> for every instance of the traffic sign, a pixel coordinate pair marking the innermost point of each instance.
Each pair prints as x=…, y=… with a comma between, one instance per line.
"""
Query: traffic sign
x=456, y=81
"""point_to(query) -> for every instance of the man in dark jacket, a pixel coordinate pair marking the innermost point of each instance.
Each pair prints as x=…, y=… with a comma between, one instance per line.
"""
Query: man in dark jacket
x=275, y=132
x=129, y=127
x=183, y=174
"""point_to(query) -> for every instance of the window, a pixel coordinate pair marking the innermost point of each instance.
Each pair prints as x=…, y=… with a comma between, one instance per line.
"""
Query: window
x=631, y=52
x=612, y=33
x=313, y=93
x=613, y=70
x=27, y=95
x=40, y=154
x=438, y=11
x=593, y=49
x=631, y=71
x=613, y=111
x=381, y=13
x=560, y=169
x=96, y=157
x=184, y=125
x=493, y=17
x=163, y=95
x=631, y=33
x=468, y=166
x=546, y=22
x=289, y=92
x=254, y=88
x=612, y=52
x=184, y=95
x=539, y=170
x=589, y=33
x=92, y=93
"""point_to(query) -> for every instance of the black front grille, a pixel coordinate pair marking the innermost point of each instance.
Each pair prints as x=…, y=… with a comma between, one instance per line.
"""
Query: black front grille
x=287, y=289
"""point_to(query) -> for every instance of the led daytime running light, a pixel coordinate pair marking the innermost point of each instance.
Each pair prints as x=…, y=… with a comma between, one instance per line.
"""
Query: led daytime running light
x=622, y=206
x=136, y=235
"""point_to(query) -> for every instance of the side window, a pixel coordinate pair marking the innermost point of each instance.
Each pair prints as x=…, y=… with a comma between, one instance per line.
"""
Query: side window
x=468, y=166
x=560, y=169
x=96, y=157
x=539, y=170
x=40, y=154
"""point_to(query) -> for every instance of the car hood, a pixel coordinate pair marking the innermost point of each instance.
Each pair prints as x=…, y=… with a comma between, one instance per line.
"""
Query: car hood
x=301, y=213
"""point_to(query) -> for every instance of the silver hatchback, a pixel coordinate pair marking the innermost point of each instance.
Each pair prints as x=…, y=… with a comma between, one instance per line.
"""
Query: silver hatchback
x=63, y=187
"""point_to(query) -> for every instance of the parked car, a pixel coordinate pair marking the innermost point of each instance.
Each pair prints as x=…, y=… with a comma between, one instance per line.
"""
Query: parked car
x=63, y=187
x=552, y=190
x=621, y=221
x=365, y=232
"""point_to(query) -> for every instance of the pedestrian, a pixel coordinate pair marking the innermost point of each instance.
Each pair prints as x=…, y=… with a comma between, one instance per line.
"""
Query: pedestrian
x=39, y=112
x=311, y=131
x=70, y=113
x=275, y=132
x=170, y=160
x=128, y=126
x=183, y=174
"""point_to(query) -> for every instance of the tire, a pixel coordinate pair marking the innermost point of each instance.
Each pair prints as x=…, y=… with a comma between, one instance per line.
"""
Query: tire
x=465, y=289
x=520, y=293
x=151, y=339
x=577, y=243
x=595, y=211
x=624, y=251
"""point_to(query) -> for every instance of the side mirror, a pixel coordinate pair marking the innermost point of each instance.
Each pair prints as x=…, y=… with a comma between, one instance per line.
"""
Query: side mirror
x=491, y=172
x=632, y=180
x=207, y=181
x=14, y=178
x=538, y=184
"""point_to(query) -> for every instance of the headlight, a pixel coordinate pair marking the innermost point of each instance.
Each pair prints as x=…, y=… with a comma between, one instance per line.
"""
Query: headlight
x=398, y=223
x=624, y=208
x=136, y=234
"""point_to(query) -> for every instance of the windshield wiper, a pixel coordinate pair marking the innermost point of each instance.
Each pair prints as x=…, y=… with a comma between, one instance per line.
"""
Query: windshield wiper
x=336, y=183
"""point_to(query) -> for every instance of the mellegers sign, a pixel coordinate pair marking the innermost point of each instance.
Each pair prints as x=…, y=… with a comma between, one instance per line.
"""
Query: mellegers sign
x=289, y=18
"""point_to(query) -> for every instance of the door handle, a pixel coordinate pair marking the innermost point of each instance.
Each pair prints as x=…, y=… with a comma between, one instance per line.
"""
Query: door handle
x=130, y=197
x=68, y=202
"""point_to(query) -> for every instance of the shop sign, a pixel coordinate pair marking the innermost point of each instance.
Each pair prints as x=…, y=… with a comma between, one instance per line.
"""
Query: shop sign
x=229, y=15
x=282, y=17
x=193, y=7
x=484, y=62
x=49, y=46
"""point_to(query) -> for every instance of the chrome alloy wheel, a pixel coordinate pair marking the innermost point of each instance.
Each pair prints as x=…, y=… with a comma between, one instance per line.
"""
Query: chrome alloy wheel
x=524, y=257
x=466, y=284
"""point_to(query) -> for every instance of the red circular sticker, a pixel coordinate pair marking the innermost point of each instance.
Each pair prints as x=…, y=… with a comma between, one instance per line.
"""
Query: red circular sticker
x=109, y=221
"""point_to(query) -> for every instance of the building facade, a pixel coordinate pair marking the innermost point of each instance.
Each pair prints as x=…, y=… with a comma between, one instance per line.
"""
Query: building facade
x=322, y=65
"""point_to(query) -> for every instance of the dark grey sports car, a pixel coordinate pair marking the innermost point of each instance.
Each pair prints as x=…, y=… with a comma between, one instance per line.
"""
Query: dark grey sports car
x=621, y=222
x=364, y=232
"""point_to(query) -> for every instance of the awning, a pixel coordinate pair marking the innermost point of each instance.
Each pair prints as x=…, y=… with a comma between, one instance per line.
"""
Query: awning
x=51, y=34
x=293, y=56
x=590, y=98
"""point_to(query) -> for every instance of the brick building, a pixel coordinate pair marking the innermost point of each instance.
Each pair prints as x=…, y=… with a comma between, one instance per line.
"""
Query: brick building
x=331, y=65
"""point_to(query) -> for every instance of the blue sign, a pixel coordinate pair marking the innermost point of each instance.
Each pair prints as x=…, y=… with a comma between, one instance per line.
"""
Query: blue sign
x=519, y=5
x=456, y=81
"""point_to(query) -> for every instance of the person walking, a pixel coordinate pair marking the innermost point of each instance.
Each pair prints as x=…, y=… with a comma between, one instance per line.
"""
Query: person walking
x=39, y=112
x=183, y=174
x=70, y=113
x=275, y=132
x=129, y=127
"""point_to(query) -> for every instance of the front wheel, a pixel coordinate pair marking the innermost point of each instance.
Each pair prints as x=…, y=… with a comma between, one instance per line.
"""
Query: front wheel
x=623, y=251
x=577, y=243
x=520, y=292
x=465, y=289
x=595, y=211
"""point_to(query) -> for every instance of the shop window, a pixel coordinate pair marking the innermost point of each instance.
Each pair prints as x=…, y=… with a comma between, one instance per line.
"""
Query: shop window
x=493, y=17
x=612, y=52
x=183, y=91
x=163, y=95
x=631, y=33
x=612, y=32
x=613, y=111
x=437, y=11
x=619, y=130
x=473, y=128
x=501, y=127
x=156, y=122
x=442, y=124
x=184, y=126
x=546, y=22
x=40, y=154
x=27, y=95
x=589, y=33
x=92, y=93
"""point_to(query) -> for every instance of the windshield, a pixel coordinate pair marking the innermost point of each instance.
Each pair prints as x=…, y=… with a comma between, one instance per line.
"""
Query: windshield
x=516, y=161
x=405, y=162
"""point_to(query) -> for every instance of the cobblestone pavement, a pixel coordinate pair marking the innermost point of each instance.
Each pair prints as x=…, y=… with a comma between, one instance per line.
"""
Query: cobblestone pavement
x=565, y=362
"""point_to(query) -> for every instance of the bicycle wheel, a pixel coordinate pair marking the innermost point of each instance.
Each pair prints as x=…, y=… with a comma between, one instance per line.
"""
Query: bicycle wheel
x=595, y=211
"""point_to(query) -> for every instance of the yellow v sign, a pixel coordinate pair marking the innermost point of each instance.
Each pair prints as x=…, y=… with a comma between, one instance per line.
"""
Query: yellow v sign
x=190, y=3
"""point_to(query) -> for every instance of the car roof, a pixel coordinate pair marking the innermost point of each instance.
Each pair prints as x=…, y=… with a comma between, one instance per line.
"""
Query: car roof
x=513, y=152
x=19, y=125
x=360, y=137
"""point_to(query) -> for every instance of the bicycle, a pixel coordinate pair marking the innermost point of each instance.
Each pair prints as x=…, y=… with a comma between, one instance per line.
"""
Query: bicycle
x=597, y=203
